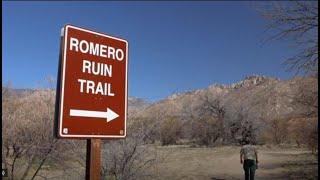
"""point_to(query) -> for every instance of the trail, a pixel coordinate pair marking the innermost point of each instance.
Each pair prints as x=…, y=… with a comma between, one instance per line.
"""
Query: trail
x=224, y=163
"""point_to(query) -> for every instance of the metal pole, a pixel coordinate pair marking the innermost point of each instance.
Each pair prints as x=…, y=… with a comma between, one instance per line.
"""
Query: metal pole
x=93, y=159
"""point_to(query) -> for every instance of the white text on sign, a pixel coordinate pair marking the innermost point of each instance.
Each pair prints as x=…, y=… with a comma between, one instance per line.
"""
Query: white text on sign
x=96, y=68
x=96, y=49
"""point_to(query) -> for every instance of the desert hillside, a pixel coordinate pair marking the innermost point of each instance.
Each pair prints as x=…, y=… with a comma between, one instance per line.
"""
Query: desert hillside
x=267, y=111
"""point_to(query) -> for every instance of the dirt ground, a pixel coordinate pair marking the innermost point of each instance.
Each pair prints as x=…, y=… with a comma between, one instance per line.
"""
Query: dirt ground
x=224, y=163
x=219, y=163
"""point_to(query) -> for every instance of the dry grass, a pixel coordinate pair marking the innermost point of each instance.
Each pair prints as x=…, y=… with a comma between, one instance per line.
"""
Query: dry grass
x=223, y=163
x=183, y=162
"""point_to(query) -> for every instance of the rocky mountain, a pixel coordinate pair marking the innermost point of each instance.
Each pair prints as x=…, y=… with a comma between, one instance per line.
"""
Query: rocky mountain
x=134, y=104
x=262, y=108
x=256, y=97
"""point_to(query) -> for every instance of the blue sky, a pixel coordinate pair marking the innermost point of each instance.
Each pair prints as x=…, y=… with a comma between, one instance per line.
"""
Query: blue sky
x=173, y=46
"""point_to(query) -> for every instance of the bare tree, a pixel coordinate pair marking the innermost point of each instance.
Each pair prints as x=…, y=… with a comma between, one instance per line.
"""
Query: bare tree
x=129, y=158
x=206, y=131
x=241, y=127
x=296, y=21
x=170, y=130
x=279, y=130
x=307, y=96
x=304, y=131
x=215, y=109
x=210, y=125
x=27, y=140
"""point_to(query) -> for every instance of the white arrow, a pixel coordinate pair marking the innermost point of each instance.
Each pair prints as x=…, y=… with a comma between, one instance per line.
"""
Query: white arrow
x=109, y=115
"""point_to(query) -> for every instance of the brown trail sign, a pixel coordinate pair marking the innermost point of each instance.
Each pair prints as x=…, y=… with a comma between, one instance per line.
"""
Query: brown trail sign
x=93, y=85
x=92, y=91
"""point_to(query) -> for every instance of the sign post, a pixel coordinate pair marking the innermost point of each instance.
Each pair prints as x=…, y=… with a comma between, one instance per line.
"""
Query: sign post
x=93, y=159
x=92, y=91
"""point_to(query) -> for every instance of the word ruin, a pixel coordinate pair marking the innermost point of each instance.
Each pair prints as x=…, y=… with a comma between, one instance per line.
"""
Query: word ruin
x=95, y=68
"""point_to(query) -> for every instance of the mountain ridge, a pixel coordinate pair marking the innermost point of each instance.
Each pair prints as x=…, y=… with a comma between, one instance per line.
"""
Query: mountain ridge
x=251, y=92
x=258, y=95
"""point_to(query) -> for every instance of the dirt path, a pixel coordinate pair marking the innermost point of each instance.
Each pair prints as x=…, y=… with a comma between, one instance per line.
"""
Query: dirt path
x=224, y=163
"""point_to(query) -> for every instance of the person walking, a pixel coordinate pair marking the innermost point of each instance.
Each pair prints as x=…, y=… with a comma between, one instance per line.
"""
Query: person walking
x=249, y=159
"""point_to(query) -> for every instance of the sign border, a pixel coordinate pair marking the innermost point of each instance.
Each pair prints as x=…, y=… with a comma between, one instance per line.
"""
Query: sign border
x=64, y=33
